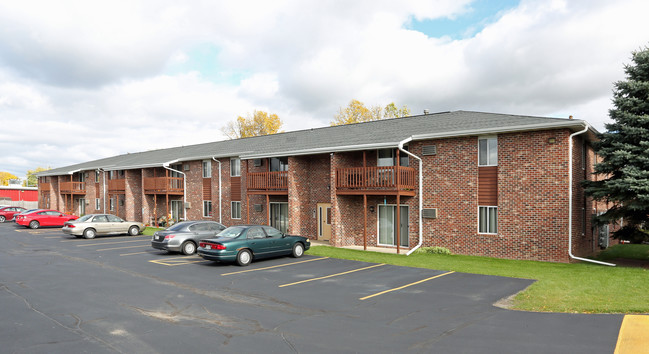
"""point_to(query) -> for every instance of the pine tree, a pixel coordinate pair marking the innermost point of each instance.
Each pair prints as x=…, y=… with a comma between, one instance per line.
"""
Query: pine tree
x=624, y=149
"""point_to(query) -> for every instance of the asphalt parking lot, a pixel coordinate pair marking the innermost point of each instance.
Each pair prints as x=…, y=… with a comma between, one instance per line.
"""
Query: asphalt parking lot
x=117, y=294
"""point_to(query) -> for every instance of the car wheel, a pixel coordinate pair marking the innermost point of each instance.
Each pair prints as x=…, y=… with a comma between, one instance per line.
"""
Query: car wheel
x=298, y=250
x=188, y=248
x=133, y=230
x=89, y=233
x=2, y=218
x=34, y=224
x=244, y=257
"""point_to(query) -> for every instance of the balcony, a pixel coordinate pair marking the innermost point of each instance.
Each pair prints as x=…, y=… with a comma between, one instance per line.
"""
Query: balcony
x=73, y=188
x=45, y=187
x=384, y=180
x=116, y=185
x=275, y=183
x=163, y=185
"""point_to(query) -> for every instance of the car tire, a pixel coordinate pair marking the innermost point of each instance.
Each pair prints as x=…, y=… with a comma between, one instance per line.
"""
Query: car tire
x=244, y=257
x=89, y=233
x=133, y=230
x=34, y=224
x=2, y=219
x=188, y=248
x=298, y=250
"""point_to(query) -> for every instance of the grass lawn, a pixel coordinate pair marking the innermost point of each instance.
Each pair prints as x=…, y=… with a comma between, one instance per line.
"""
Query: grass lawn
x=150, y=230
x=574, y=288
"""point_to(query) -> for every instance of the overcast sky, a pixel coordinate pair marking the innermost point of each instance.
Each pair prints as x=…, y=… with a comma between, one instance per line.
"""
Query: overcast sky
x=82, y=80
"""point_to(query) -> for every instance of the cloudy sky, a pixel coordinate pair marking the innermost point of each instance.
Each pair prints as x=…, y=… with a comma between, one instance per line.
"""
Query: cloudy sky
x=82, y=80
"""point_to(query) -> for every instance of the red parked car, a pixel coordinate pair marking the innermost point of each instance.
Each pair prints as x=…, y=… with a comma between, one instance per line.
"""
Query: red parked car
x=7, y=213
x=40, y=218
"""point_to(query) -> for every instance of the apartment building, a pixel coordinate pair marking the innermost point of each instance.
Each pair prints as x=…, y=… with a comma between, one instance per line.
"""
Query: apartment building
x=476, y=183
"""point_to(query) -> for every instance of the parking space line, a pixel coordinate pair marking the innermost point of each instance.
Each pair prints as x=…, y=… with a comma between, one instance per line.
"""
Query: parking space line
x=633, y=335
x=109, y=243
x=332, y=275
x=277, y=266
x=176, y=262
x=130, y=254
x=405, y=286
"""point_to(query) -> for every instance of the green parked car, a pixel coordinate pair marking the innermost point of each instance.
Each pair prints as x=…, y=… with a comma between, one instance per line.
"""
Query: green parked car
x=244, y=243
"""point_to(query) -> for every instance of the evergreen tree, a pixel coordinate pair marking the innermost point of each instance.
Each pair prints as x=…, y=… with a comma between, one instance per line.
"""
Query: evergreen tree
x=625, y=152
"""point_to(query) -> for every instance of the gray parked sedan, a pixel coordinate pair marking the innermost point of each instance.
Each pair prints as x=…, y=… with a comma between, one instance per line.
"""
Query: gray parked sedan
x=184, y=236
x=92, y=225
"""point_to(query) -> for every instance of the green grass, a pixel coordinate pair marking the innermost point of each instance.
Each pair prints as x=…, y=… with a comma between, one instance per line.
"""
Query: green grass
x=640, y=252
x=150, y=230
x=572, y=288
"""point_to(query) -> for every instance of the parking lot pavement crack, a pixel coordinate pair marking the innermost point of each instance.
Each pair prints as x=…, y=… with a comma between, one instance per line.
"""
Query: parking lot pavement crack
x=288, y=342
x=77, y=329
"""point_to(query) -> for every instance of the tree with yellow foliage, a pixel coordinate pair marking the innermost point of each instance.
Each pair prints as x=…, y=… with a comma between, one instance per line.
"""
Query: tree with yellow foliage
x=259, y=123
x=357, y=112
x=5, y=177
x=32, y=180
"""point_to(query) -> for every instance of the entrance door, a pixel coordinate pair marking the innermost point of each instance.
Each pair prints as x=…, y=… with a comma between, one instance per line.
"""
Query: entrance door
x=324, y=221
x=176, y=210
x=279, y=216
x=82, y=207
x=388, y=227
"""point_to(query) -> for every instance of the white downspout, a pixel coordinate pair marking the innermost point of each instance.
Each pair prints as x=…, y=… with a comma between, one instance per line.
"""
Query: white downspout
x=570, y=201
x=166, y=166
x=220, y=204
x=421, y=190
x=103, y=190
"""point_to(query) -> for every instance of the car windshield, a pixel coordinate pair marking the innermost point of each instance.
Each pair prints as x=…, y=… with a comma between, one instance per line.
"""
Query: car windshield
x=231, y=232
x=84, y=218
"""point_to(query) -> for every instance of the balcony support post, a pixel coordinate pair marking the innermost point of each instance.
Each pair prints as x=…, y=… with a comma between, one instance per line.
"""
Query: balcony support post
x=365, y=219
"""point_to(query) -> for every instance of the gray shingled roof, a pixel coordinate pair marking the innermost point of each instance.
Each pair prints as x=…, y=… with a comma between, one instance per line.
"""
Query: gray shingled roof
x=361, y=136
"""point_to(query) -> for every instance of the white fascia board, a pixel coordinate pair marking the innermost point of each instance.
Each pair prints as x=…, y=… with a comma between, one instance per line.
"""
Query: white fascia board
x=323, y=150
x=576, y=124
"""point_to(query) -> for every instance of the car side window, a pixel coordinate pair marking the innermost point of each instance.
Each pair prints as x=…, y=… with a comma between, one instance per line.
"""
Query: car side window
x=113, y=218
x=100, y=218
x=272, y=232
x=256, y=232
x=215, y=227
x=198, y=227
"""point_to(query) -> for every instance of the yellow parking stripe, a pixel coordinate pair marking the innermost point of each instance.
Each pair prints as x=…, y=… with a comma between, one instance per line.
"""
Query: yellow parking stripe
x=109, y=243
x=277, y=266
x=175, y=262
x=130, y=254
x=332, y=275
x=405, y=286
x=633, y=336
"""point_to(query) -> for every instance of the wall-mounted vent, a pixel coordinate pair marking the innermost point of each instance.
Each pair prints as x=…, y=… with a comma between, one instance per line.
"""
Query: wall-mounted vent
x=186, y=167
x=258, y=207
x=430, y=213
x=429, y=150
x=257, y=162
x=188, y=205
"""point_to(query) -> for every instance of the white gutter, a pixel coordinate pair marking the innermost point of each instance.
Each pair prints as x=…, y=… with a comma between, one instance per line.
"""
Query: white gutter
x=421, y=194
x=220, y=203
x=166, y=166
x=570, y=200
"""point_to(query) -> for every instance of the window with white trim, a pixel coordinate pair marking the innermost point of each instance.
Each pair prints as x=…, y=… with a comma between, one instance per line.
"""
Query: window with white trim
x=207, y=208
x=488, y=219
x=488, y=151
x=97, y=203
x=236, y=210
x=207, y=169
x=235, y=167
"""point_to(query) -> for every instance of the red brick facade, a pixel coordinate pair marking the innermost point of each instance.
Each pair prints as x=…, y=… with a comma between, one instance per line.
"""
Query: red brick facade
x=532, y=196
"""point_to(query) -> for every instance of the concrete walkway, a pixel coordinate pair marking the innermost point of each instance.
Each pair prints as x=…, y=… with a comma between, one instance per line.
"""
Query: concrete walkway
x=392, y=250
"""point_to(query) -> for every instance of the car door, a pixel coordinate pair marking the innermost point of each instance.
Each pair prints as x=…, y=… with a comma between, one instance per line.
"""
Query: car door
x=100, y=224
x=260, y=245
x=43, y=218
x=278, y=244
x=116, y=225
x=200, y=231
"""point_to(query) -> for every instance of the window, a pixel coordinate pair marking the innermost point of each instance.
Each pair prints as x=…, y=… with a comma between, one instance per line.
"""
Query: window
x=388, y=157
x=97, y=203
x=488, y=220
x=112, y=204
x=278, y=164
x=256, y=232
x=207, y=208
x=113, y=218
x=235, y=167
x=96, y=176
x=207, y=169
x=236, y=210
x=487, y=152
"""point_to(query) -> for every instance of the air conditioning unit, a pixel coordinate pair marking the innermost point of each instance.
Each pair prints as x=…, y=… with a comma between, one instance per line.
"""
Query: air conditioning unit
x=430, y=213
x=188, y=205
x=257, y=162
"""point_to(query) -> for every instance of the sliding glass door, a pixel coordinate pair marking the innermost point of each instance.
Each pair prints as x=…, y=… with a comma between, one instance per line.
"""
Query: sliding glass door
x=388, y=225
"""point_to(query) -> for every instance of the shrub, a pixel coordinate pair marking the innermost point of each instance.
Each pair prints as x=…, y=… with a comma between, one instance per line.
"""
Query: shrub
x=434, y=250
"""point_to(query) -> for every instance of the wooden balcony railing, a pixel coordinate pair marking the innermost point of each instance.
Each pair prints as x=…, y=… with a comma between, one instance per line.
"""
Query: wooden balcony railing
x=375, y=179
x=163, y=185
x=267, y=181
x=116, y=185
x=73, y=188
x=45, y=187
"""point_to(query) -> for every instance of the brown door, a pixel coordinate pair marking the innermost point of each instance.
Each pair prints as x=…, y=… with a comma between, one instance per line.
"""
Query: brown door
x=324, y=221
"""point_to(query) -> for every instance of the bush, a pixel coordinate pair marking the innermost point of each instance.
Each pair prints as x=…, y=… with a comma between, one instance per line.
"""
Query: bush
x=433, y=250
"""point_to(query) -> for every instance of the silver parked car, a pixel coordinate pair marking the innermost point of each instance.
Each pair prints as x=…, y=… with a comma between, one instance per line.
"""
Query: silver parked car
x=92, y=225
x=185, y=236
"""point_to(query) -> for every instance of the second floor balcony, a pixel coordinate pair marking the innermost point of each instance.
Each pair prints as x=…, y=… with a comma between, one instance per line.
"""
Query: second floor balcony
x=163, y=185
x=45, y=187
x=73, y=188
x=267, y=182
x=116, y=185
x=383, y=180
